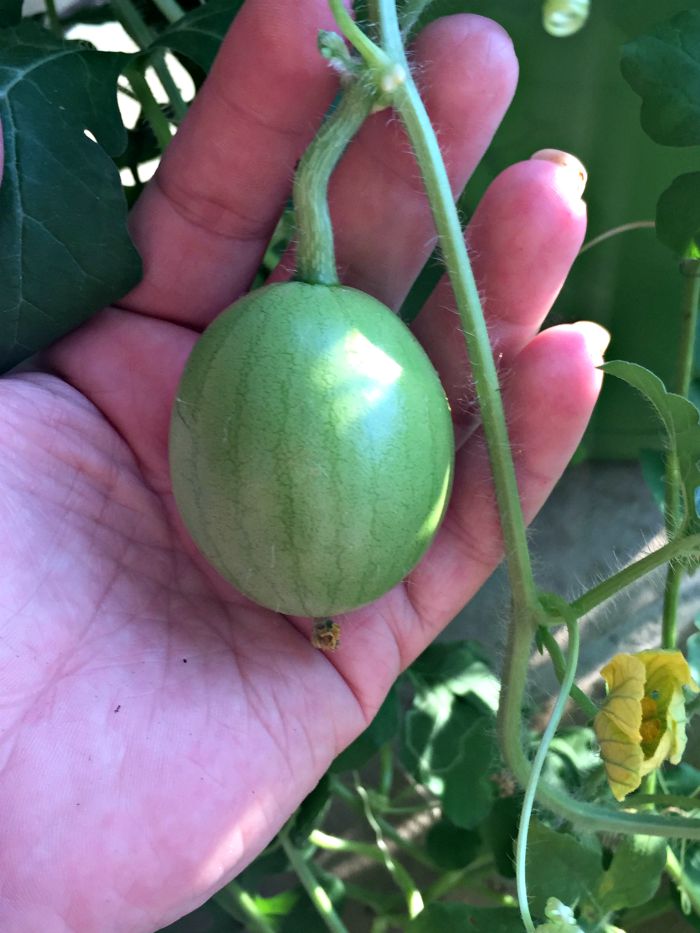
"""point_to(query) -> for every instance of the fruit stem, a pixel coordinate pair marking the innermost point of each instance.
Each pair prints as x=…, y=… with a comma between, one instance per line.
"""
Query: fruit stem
x=315, y=244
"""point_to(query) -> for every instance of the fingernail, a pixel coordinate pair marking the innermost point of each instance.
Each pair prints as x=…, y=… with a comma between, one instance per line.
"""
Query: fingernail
x=574, y=170
x=597, y=339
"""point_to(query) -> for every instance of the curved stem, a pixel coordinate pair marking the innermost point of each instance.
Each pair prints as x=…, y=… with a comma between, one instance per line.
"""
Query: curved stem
x=315, y=251
x=616, y=231
x=584, y=703
x=317, y=893
x=536, y=771
x=150, y=107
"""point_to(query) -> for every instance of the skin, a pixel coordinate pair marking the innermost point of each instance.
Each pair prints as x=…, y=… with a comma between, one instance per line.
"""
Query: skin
x=156, y=729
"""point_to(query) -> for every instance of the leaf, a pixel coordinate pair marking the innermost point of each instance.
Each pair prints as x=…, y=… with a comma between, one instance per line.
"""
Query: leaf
x=663, y=67
x=634, y=873
x=381, y=730
x=459, y=918
x=500, y=832
x=450, y=747
x=10, y=12
x=451, y=847
x=271, y=861
x=561, y=866
x=64, y=247
x=309, y=811
x=199, y=33
x=653, y=471
x=679, y=417
x=678, y=216
x=460, y=667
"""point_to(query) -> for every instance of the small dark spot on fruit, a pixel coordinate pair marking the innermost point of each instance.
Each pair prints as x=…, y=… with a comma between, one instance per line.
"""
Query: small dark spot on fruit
x=117, y=708
x=184, y=660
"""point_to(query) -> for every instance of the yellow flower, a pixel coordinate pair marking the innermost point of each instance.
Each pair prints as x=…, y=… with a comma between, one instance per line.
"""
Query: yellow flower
x=642, y=722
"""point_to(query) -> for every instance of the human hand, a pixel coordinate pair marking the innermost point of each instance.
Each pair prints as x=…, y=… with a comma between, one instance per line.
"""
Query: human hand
x=157, y=728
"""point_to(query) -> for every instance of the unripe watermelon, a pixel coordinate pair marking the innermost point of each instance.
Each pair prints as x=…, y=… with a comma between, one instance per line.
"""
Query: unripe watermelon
x=311, y=448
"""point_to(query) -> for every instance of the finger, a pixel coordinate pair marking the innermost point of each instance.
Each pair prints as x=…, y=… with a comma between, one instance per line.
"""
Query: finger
x=549, y=396
x=523, y=239
x=203, y=222
x=466, y=70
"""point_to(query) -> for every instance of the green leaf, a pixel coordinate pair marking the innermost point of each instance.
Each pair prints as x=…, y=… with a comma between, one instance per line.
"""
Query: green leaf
x=461, y=668
x=64, y=247
x=310, y=810
x=500, y=832
x=459, y=918
x=381, y=730
x=449, y=746
x=682, y=779
x=199, y=33
x=561, y=866
x=634, y=873
x=678, y=216
x=10, y=12
x=451, y=847
x=663, y=67
x=680, y=418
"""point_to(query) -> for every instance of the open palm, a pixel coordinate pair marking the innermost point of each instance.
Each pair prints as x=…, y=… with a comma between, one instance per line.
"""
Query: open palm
x=156, y=728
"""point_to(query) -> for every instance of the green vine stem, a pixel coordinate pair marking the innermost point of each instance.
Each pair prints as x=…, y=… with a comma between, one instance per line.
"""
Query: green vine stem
x=690, y=270
x=53, y=18
x=317, y=893
x=171, y=9
x=616, y=231
x=584, y=703
x=536, y=770
x=414, y=899
x=142, y=34
x=674, y=870
x=238, y=903
x=628, y=575
x=150, y=107
x=527, y=612
x=315, y=249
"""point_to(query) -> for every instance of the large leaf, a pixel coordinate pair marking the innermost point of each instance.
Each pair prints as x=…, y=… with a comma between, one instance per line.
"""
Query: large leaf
x=450, y=747
x=680, y=419
x=450, y=846
x=64, y=248
x=199, y=33
x=461, y=668
x=634, y=873
x=678, y=215
x=10, y=12
x=561, y=866
x=663, y=67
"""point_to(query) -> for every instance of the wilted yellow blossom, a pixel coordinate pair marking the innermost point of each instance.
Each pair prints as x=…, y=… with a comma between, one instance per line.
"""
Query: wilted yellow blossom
x=642, y=722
